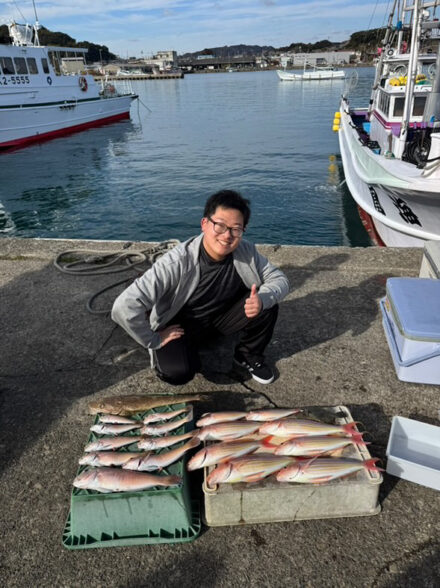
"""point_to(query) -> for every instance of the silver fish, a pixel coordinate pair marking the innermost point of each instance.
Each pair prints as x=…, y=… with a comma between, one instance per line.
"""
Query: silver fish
x=165, y=416
x=113, y=429
x=110, y=443
x=226, y=431
x=324, y=469
x=166, y=427
x=157, y=461
x=117, y=480
x=220, y=452
x=312, y=446
x=271, y=414
x=211, y=418
x=115, y=419
x=304, y=427
x=248, y=468
x=161, y=442
x=109, y=458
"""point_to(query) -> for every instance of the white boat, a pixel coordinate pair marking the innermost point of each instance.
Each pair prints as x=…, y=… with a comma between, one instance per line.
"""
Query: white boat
x=391, y=149
x=310, y=73
x=40, y=96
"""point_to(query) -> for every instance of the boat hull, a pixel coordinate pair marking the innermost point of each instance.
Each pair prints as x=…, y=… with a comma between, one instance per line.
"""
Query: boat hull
x=310, y=76
x=21, y=126
x=399, y=209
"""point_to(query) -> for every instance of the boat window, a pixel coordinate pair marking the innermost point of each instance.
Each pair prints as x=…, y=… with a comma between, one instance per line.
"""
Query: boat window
x=55, y=61
x=20, y=65
x=32, y=65
x=7, y=65
x=398, y=106
x=419, y=105
x=384, y=102
x=45, y=65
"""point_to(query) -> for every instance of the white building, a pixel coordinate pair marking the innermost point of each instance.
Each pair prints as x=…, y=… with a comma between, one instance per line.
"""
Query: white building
x=163, y=60
x=319, y=58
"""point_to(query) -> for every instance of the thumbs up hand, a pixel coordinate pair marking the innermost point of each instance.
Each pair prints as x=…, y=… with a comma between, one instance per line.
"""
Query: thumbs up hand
x=253, y=304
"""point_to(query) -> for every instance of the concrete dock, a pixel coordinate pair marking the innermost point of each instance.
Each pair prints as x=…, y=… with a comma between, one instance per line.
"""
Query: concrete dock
x=329, y=349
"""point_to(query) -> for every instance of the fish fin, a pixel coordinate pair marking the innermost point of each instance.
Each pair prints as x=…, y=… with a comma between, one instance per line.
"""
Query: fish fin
x=358, y=439
x=322, y=480
x=370, y=464
x=334, y=452
x=255, y=477
x=350, y=428
x=267, y=442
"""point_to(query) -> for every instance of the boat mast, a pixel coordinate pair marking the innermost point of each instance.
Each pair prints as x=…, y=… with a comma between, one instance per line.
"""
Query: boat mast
x=385, y=48
x=411, y=78
x=36, y=25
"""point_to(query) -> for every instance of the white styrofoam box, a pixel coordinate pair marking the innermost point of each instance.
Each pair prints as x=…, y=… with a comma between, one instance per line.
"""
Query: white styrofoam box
x=422, y=370
x=409, y=349
x=413, y=452
x=430, y=267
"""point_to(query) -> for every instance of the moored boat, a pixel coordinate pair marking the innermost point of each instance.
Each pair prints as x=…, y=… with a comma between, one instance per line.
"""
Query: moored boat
x=391, y=149
x=310, y=73
x=41, y=97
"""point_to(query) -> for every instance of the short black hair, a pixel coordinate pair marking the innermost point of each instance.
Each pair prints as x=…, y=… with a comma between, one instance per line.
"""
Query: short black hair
x=228, y=199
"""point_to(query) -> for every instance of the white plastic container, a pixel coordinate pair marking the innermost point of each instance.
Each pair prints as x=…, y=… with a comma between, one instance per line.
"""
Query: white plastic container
x=414, y=452
x=430, y=267
x=271, y=501
x=411, y=321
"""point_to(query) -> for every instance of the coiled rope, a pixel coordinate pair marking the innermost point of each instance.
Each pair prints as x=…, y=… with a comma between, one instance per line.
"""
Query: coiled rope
x=89, y=262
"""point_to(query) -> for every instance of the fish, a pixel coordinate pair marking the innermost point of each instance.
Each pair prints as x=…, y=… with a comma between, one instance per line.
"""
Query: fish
x=271, y=414
x=108, y=458
x=304, y=427
x=312, y=446
x=115, y=419
x=226, y=431
x=161, y=442
x=110, y=443
x=220, y=452
x=211, y=418
x=166, y=427
x=118, y=480
x=324, y=469
x=157, y=461
x=164, y=416
x=247, y=468
x=113, y=429
x=126, y=405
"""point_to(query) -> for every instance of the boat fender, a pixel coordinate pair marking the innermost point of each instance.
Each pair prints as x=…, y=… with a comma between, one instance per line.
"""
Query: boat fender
x=336, y=122
x=83, y=83
x=394, y=82
x=49, y=80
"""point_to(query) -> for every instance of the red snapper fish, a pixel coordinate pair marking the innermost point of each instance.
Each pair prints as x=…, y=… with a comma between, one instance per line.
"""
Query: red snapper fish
x=221, y=452
x=108, y=458
x=117, y=480
x=248, y=468
x=157, y=461
x=113, y=429
x=227, y=431
x=312, y=446
x=211, y=418
x=271, y=414
x=324, y=469
x=304, y=428
x=152, y=443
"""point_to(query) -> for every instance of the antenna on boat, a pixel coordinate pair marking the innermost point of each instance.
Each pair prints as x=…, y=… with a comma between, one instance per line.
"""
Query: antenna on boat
x=36, y=25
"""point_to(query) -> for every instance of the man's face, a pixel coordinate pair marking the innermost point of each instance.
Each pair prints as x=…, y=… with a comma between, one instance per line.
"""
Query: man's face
x=217, y=245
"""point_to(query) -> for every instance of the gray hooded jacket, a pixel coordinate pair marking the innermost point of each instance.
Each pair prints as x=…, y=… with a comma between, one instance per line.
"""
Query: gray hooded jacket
x=152, y=300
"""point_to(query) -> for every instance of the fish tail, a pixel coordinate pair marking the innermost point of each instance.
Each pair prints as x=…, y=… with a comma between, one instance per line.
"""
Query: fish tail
x=371, y=466
x=350, y=428
x=267, y=442
x=358, y=439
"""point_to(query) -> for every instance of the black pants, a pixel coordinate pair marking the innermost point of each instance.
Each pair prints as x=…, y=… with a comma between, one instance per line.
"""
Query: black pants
x=178, y=361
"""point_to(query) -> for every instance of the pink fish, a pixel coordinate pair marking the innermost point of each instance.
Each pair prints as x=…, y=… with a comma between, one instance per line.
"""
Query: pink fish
x=110, y=443
x=304, y=427
x=115, y=419
x=271, y=414
x=117, y=480
x=324, y=469
x=114, y=429
x=166, y=427
x=109, y=458
x=248, y=468
x=211, y=418
x=157, y=461
x=165, y=416
x=220, y=452
x=226, y=431
x=161, y=442
x=312, y=446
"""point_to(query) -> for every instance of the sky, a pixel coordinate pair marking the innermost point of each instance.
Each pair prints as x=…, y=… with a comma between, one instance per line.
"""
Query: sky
x=143, y=27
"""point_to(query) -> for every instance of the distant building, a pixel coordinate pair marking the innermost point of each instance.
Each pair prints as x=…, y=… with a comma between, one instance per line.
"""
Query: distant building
x=162, y=60
x=319, y=58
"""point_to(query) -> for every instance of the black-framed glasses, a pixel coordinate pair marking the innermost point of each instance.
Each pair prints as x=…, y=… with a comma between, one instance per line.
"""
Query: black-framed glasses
x=221, y=228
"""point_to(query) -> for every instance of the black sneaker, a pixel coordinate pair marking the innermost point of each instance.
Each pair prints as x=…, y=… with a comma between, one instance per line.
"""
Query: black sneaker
x=259, y=371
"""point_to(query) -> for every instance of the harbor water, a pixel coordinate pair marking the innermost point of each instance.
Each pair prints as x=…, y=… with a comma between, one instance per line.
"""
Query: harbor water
x=148, y=178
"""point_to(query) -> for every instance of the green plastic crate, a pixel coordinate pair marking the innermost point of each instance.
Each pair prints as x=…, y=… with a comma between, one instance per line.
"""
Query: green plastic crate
x=134, y=518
